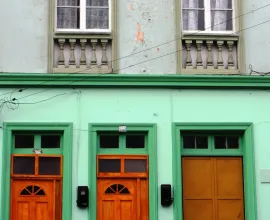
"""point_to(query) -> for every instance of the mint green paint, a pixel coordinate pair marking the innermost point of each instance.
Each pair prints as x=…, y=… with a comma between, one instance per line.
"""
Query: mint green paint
x=8, y=128
x=151, y=151
x=74, y=80
x=248, y=163
x=155, y=106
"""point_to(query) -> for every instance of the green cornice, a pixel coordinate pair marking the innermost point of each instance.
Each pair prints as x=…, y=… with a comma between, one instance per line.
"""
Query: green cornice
x=127, y=80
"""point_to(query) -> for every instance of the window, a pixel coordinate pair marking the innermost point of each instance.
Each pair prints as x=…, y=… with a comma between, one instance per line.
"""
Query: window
x=83, y=15
x=128, y=141
x=210, y=16
x=36, y=165
x=210, y=142
x=37, y=140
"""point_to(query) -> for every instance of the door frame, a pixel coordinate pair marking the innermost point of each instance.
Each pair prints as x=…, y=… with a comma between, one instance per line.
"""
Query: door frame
x=67, y=129
x=247, y=153
x=151, y=129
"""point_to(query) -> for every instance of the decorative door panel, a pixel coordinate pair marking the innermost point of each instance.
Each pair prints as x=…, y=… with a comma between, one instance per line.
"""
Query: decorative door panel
x=117, y=199
x=32, y=200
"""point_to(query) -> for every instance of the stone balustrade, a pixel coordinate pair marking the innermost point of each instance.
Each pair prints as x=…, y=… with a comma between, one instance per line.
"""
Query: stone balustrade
x=82, y=55
x=201, y=54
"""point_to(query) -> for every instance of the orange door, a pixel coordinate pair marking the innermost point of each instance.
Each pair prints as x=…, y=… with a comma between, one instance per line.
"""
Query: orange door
x=212, y=188
x=122, y=199
x=32, y=200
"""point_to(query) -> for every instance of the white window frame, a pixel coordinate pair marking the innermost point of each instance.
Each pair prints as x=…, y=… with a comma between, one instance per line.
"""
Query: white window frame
x=207, y=21
x=83, y=28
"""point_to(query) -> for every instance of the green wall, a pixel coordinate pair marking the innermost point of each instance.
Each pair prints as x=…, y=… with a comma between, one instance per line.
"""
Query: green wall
x=160, y=106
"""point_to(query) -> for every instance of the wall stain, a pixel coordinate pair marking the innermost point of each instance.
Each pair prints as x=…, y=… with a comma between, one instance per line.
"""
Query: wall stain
x=140, y=34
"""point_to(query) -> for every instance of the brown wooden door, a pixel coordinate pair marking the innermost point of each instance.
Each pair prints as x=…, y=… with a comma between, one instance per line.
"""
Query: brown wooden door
x=212, y=188
x=122, y=199
x=32, y=200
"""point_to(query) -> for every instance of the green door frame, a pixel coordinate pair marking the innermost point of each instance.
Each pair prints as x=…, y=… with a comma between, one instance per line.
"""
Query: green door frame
x=248, y=162
x=67, y=129
x=152, y=157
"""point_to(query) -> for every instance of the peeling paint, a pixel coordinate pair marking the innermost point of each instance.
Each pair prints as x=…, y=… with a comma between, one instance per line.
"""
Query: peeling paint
x=131, y=7
x=140, y=34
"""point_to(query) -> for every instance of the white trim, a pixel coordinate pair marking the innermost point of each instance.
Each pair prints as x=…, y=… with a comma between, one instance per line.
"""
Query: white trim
x=83, y=29
x=207, y=21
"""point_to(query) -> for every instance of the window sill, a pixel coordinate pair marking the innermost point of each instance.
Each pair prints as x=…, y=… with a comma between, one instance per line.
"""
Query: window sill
x=210, y=71
x=210, y=36
x=70, y=35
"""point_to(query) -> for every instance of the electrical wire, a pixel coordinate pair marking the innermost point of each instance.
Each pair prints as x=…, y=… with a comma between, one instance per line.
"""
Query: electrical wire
x=139, y=62
x=256, y=72
x=16, y=102
x=155, y=46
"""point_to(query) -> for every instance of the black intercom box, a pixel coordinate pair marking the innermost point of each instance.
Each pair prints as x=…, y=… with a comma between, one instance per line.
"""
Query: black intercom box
x=166, y=195
x=82, y=196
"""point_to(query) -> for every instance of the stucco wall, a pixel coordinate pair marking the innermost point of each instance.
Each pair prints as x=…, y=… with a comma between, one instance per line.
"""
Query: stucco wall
x=142, y=24
x=24, y=36
x=256, y=39
x=148, y=106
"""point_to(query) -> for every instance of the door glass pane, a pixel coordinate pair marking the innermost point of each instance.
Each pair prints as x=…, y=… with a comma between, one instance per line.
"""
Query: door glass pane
x=135, y=141
x=97, y=3
x=109, y=141
x=221, y=4
x=193, y=20
x=50, y=141
x=49, y=166
x=201, y=142
x=189, y=142
x=97, y=18
x=220, y=142
x=23, y=141
x=68, y=17
x=109, y=165
x=233, y=142
x=24, y=165
x=221, y=20
x=135, y=165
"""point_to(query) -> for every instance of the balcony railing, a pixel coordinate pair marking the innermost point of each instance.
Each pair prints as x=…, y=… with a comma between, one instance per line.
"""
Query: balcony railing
x=82, y=54
x=206, y=54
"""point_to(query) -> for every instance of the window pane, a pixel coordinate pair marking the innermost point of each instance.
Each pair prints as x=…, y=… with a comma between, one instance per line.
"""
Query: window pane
x=24, y=165
x=109, y=141
x=193, y=4
x=233, y=142
x=68, y=18
x=50, y=141
x=189, y=142
x=97, y=3
x=109, y=165
x=135, y=141
x=49, y=166
x=193, y=20
x=24, y=141
x=221, y=4
x=221, y=20
x=201, y=142
x=135, y=165
x=97, y=18
x=68, y=2
x=220, y=142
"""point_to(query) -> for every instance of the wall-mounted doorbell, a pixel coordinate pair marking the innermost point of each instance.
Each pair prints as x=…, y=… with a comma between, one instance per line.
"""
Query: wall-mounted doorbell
x=166, y=195
x=82, y=196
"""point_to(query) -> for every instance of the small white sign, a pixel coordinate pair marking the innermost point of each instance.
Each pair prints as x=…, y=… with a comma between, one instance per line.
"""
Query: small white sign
x=265, y=175
x=37, y=151
x=122, y=128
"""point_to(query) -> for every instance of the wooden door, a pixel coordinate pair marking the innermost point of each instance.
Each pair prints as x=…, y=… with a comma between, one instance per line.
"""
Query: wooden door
x=212, y=188
x=32, y=200
x=122, y=199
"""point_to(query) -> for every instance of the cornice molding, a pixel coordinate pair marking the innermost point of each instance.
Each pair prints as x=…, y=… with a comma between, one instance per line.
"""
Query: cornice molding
x=140, y=81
